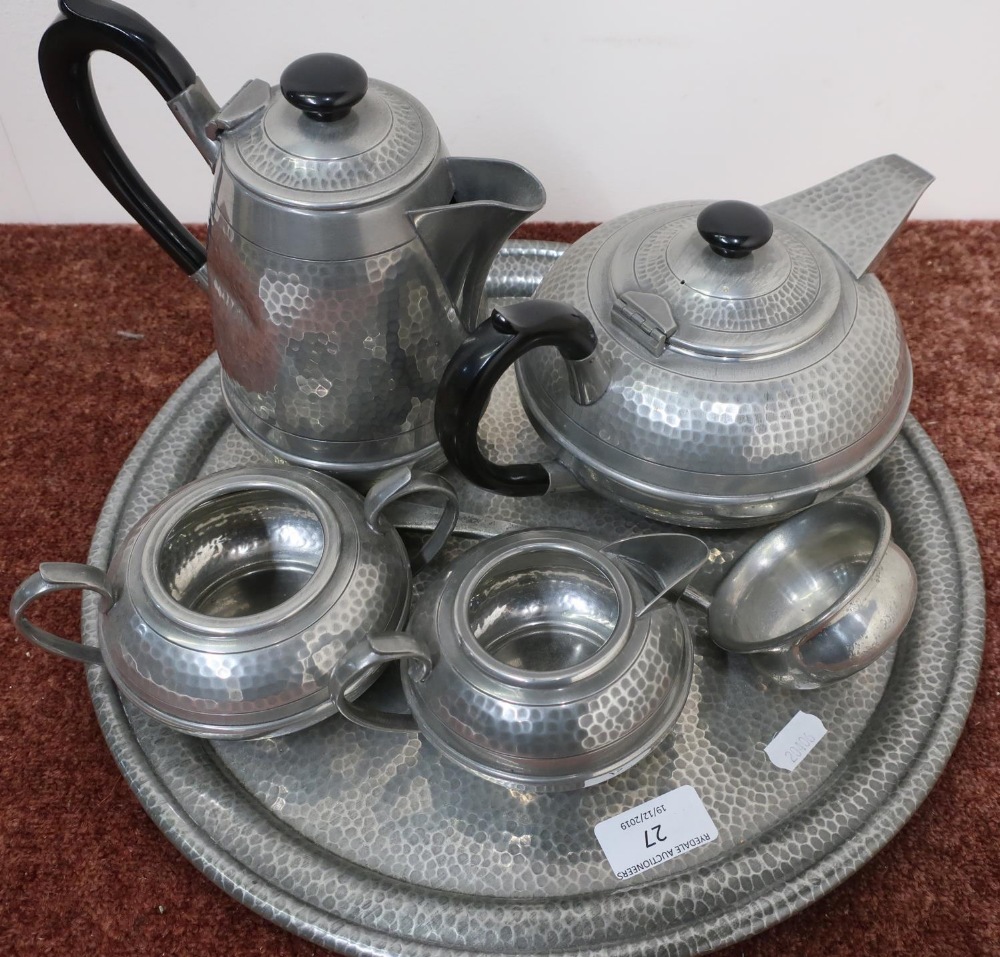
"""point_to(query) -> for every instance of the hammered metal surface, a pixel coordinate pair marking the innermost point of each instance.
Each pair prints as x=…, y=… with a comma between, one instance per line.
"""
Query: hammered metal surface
x=546, y=735
x=331, y=317
x=721, y=310
x=871, y=201
x=273, y=680
x=335, y=361
x=368, y=843
x=392, y=143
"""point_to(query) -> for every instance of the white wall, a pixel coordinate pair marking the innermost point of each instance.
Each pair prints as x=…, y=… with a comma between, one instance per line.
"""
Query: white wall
x=614, y=104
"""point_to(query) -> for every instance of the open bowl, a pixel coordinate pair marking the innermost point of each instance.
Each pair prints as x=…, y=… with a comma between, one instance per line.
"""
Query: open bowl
x=819, y=597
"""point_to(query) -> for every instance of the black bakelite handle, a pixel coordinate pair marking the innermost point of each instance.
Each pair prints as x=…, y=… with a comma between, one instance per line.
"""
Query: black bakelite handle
x=734, y=229
x=325, y=86
x=476, y=368
x=64, y=60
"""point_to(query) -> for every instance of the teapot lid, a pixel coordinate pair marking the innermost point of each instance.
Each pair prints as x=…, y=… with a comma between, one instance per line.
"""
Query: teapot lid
x=329, y=136
x=723, y=280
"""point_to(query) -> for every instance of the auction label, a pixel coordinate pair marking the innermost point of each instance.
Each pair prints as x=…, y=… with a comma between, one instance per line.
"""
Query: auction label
x=655, y=832
x=795, y=740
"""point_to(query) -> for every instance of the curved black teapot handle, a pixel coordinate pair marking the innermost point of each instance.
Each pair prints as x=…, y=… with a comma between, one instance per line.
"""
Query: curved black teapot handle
x=475, y=369
x=64, y=60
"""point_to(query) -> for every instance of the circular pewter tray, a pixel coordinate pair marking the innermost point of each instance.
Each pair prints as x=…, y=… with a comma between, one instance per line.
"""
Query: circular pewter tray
x=370, y=844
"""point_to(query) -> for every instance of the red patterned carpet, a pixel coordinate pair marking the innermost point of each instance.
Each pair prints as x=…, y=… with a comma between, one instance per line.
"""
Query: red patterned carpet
x=85, y=872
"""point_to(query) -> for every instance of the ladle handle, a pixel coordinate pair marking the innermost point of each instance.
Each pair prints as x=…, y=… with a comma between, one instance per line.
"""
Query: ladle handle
x=362, y=658
x=64, y=60
x=53, y=577
x=403, y=481
x=476, y=368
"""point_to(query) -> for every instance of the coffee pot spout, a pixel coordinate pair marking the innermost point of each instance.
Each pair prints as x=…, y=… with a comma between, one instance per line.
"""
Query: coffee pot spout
x=491, y=199
x=858, y=213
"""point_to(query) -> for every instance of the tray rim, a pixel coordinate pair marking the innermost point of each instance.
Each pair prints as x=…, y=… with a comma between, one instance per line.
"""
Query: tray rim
x=815, y=880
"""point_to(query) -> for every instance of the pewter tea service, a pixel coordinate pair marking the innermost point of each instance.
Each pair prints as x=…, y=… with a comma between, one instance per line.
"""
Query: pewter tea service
x=346, y=249
x=433, y=652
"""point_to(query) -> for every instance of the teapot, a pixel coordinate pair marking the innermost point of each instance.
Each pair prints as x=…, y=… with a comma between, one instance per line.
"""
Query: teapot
x=716, y=364
x=347, y=251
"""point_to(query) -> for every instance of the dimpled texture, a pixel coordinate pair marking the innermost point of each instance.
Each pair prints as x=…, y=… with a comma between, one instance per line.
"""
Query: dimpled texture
x=634, y=699
x=391, y=154
x=370, y=843
x=348, y=353
x=502, y=729
x=858, y=212
x=787, y=302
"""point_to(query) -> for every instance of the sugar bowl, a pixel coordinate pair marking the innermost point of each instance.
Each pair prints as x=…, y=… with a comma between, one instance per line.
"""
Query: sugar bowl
x=227, y=607
x=542, y=660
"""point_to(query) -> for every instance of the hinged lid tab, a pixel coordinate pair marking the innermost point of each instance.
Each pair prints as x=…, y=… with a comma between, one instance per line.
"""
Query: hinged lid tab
x=646, y=317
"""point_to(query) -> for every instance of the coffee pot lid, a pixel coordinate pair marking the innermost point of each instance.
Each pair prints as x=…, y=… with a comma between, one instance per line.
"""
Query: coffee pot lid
x=330, y=136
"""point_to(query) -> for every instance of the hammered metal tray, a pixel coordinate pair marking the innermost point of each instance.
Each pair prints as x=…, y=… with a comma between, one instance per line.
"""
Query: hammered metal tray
x=370, y=844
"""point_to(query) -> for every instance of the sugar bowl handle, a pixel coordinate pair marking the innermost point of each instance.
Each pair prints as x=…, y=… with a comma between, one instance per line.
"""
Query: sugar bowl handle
x=401, y=482
x=53, y=577
x=365, y=656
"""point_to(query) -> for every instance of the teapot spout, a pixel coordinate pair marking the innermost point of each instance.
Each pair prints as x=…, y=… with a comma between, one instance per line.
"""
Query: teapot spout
x=858, y=213
x=491, y=199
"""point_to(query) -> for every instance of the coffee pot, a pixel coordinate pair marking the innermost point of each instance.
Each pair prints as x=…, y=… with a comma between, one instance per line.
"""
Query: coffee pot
x=347, y=252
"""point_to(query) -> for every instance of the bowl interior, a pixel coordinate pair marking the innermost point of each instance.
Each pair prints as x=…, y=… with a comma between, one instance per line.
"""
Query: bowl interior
x=543, y=610
x=796, y=574
x=241, y=553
